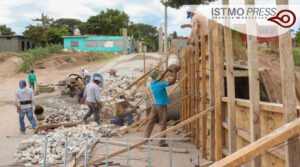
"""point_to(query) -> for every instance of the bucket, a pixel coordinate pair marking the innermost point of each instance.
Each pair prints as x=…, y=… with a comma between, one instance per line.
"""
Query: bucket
x=39, y=113
x=173, y=62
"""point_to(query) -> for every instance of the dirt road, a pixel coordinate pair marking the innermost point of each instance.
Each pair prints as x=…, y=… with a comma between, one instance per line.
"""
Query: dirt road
x=131, y=65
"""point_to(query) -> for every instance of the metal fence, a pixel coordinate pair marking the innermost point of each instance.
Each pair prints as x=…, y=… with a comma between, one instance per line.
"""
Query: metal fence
x=66, y=139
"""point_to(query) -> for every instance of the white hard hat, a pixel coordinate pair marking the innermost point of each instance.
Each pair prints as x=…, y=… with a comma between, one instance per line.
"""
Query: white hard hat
x=97, y=79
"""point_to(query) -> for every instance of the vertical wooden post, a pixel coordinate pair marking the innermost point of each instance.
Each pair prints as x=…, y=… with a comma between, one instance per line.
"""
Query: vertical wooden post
x=288, y=92
x=144, y=55
x=182, y=73
x=218, y=84
x=196, y=60
x=160, y=41
x=203, y=94
x=230, y=83
x=253, y=84
x=211, y=90
x=192, y=91
x=124, y=41
x=186, y=89
x=189, y=86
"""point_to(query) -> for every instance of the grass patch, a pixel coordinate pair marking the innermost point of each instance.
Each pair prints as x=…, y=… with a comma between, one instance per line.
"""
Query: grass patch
x=99, y=56
x=31, y=56
x=296, y=53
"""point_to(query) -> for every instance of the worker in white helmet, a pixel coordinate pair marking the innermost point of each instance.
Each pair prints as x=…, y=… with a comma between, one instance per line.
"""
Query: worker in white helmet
x=199, y=24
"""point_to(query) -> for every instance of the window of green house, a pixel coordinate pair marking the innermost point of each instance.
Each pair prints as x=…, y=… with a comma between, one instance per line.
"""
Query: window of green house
x=118, y=43
x=91, y=44
x=106, y=43
x=74, y=44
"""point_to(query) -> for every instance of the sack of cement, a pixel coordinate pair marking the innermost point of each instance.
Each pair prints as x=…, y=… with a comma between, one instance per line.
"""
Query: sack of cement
x=173, y=62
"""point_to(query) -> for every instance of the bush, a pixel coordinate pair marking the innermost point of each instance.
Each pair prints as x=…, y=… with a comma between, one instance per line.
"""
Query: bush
x=296, y=53
x=31, y=56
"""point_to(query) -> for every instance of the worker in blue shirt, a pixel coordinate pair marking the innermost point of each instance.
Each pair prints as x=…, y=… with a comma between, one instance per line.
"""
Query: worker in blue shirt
x=159, y=109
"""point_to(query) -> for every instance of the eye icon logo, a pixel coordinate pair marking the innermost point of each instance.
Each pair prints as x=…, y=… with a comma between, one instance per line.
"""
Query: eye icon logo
x=285, y=18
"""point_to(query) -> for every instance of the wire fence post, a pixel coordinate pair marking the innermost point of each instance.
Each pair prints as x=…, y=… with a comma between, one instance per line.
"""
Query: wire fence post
x=85, y=152
x=106, y=155
x=65, y=152
x=170, y=146
x=45, y=152
x=128, y=145
x=149, y=153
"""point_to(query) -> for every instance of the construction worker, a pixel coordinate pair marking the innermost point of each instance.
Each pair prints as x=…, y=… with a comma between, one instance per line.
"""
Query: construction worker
x=80, y=88
x=31, y=79
x=92, y=96
x=199, y=24
x=123, y=109
x=159, y=109
x=86, y=75
x=24, y=100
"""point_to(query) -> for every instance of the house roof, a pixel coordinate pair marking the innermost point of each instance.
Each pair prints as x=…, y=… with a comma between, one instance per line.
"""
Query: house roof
x=5, y=36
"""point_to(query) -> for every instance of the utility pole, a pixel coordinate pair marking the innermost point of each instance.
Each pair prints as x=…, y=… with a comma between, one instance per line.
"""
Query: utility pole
x=160, y=43
x=166, y=31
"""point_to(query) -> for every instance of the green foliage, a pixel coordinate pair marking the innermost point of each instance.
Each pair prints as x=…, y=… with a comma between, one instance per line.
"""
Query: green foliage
x=31, y=56
x=109, y=22
x=174, y=35
x=70, y=24
x=99, y=56
x=297, y=38
x=178, y=3
x=54, y=35
x=4, y=30
x=146, y=33
x=296, y=53
x=35, y=34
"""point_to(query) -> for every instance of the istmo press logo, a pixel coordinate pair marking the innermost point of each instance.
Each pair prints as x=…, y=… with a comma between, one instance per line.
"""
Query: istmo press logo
x=258, y=20
x=284, y=18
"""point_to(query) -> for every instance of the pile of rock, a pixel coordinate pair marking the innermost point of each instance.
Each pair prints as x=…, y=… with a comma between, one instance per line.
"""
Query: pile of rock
x=31, y=150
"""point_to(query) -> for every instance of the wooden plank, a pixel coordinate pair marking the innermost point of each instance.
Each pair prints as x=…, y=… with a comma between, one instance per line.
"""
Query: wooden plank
x=178, y=84
x=196, y=90
x=136, y=81
x=230, y=83
x=203, y=95
x=191, y=119
x=56, y=125
x=253, y=84
x=218, y=84
x=260, y=146
x=211, y=90
x=156, y=148
x=246, y=136
x=288, y=92
x=266, y=106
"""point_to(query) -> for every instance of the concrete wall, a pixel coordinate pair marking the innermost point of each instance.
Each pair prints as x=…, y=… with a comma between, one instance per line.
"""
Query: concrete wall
x=105, y=43
x=15, y=44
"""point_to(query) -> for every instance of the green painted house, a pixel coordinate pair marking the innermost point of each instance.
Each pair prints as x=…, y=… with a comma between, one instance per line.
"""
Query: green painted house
x=95, y=43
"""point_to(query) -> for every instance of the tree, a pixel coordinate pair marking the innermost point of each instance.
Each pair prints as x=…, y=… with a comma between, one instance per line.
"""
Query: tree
x=174, y=35
x=35, y=34
x=146, y=33
x=178, y=3
x=70, y=24
x=297, y=38
x=4, y=30
x=54, y=35
x=46, y=31
x=109, y=22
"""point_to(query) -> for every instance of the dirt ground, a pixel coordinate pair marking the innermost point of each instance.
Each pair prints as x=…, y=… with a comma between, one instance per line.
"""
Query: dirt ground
x=130, y=65
x=10, y=77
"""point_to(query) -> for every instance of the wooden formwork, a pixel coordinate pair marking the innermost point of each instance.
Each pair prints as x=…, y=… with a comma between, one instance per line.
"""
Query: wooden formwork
x=235, y=123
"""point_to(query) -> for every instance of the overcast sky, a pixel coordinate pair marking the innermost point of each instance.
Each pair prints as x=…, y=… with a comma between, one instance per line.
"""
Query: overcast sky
x=17, y=14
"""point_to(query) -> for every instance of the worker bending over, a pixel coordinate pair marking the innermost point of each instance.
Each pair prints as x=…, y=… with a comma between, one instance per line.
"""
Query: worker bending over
x=159, y=109
x=123, y=110
x=198, y=24
x=92, y=96
x=86, y=74
x=24, y=100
